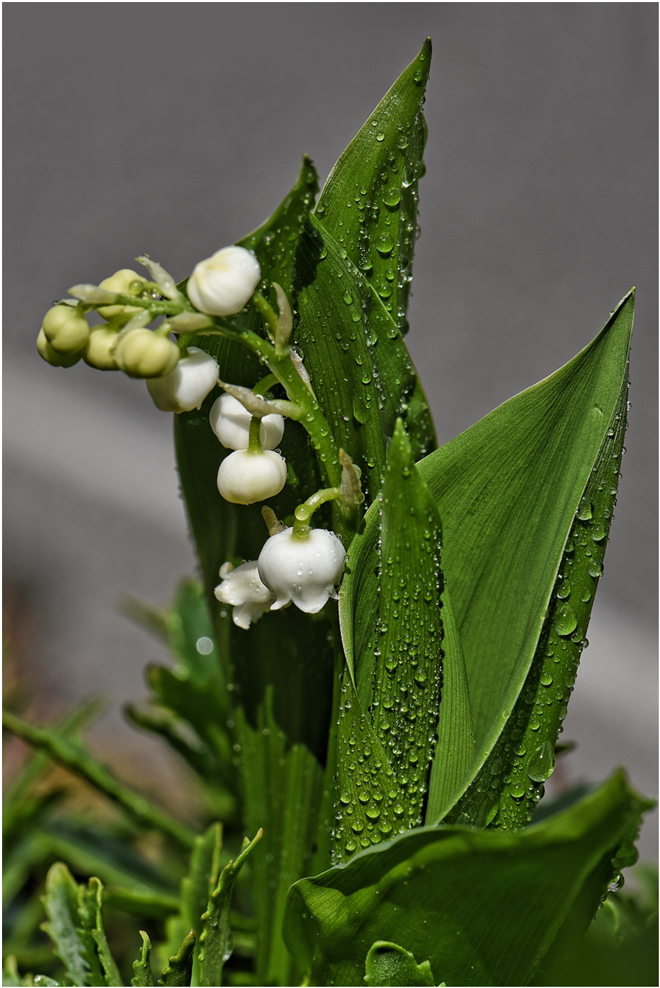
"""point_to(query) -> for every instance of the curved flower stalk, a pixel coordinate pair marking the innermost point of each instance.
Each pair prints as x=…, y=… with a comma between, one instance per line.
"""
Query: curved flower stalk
x=243, y=589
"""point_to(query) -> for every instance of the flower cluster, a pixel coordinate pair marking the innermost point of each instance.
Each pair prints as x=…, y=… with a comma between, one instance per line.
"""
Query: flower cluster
x=298, y=564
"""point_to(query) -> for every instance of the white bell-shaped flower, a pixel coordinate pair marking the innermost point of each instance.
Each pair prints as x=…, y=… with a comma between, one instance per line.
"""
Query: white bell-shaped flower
x=231, y=423
x=223, y=283
x=245, y=477
x=302, y=570
x=187, y=385
x=243, y=589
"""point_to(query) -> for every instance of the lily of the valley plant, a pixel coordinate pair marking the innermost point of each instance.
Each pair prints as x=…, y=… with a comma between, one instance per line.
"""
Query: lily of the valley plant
x=371, y=678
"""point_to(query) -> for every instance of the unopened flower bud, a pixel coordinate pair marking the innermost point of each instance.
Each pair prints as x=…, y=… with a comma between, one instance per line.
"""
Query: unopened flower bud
x=142, y=353
x=246, y=477
x=65, y=329
x=120, y=282
x=187, y=385
x=54, y=357
x=302, y=570
x=99, y=352
x=242, y=588
x=231, y=423
x=222, y=284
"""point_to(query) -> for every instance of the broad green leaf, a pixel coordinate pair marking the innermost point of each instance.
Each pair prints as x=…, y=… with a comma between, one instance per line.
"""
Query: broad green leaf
x=507, y=490
x=75, y=757
x=61, y=905
x=390, y=613
x=142, y=973
x=360, y=369
x=524, y=754
x=369, y=203
x=389, y=964
x=179, y=967
x=370, y=803
x=482, y=906
x=454, y=749
x=393, y=612
x=215, y=942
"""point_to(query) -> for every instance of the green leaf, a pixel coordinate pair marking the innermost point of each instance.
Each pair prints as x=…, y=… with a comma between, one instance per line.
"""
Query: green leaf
x=93, y=898
x=389, y=964
x=508, y=490
x=215, y=941
x=357, y=360
x=392, y=633
x=76, y=758
x=482, y=906
x=179, y=968
x=61, y=905
x=369, y=203
x=143, y=976
x=392, y=630
x=202, y=876
x=190, y=635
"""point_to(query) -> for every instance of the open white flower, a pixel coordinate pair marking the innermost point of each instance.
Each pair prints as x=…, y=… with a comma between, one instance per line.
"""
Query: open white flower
x=245, y=477
x=231, y=423
x=223, y=283
x=187, y=385
x=302, y=570
x=243, y=589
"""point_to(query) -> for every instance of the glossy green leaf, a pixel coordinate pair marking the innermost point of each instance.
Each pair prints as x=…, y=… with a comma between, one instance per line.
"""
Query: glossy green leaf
x=389, y=964
x=179, y=967
x=482, y=906
x=202, y=876
x=507, y=490
x=215, y=942
x=369, y=203
x=392, y=633
x=393, y=612
x=142, y=973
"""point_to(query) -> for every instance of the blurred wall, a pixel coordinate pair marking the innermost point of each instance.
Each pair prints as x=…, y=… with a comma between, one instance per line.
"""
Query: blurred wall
x=175, y=129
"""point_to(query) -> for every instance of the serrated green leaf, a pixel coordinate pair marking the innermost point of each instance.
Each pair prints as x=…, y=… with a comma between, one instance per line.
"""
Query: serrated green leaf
x=215, y=942
x=93, y=896
x=389, y=964
x=142, y=973
x=507, y=491
x=482, y=906
x=179, y=968
x=10, y=976
x=61, y=905
x=202, y=876
x=369, y=203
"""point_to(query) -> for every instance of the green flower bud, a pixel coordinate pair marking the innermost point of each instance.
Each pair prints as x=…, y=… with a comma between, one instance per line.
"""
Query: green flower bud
x=99, y=351
x=65, y=329
x=142, y=353
x=54, y=357
x=120, y=282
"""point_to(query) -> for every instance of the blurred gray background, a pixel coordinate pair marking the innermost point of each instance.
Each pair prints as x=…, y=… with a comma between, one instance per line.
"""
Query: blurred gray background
x=175, y=129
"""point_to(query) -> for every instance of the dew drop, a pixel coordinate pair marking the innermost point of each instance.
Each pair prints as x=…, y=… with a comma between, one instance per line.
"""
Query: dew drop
x=565, y=620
